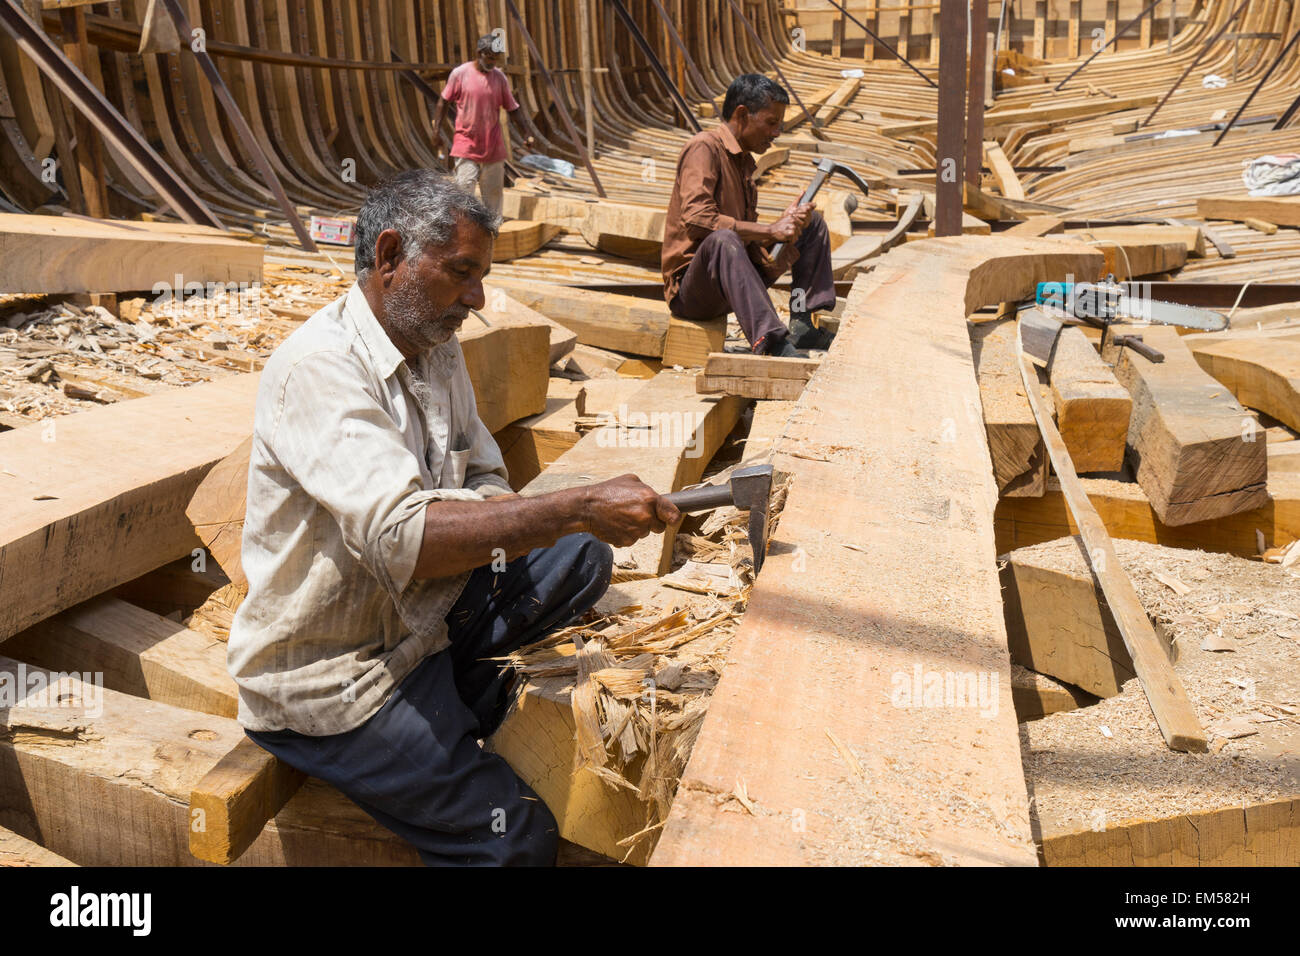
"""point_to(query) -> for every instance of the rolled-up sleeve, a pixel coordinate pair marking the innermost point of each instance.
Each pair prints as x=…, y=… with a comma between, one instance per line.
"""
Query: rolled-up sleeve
x=335, y=439
x=697, y=183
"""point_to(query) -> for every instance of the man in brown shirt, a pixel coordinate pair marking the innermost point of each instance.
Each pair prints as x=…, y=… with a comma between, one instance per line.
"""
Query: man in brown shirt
x=715, y=257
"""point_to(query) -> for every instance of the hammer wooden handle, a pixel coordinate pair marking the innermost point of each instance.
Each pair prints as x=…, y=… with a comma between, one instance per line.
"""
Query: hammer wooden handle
x=701, y=499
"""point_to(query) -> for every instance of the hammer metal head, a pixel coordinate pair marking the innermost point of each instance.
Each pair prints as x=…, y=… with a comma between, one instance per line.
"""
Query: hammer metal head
x=751, y=489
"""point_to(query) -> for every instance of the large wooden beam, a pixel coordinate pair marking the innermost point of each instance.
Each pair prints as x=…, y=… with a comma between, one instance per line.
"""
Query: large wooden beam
x=1092, y=407
x=246, y=788
x=756, y=376
x=1263, y=373
x=110, y=785
x=52, y=254
x=816, y=721
x=104, y=500
x=1190, y=441
x=1127, y=513
x=1279, y=210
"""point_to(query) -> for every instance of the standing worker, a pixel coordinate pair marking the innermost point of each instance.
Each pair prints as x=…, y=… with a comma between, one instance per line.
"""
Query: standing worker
x=477, y=91
x=715, y=254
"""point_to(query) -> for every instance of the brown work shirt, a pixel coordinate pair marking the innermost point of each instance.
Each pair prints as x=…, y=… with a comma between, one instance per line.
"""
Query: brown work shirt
x=714, y=190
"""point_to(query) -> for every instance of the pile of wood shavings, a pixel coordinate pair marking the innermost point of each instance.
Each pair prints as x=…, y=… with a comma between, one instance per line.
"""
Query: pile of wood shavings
x=641, y=679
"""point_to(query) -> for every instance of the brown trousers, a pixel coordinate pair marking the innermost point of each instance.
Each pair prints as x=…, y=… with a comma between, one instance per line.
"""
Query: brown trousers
x=720, y=278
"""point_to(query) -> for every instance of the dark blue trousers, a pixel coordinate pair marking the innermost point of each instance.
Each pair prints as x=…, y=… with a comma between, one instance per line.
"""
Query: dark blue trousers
x=415, y=765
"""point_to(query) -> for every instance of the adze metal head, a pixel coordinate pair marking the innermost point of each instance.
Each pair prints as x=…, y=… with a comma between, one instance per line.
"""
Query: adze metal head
x=749, y=489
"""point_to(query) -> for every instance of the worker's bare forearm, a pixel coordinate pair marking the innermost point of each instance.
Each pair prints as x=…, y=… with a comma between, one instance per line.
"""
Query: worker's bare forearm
x=754, y=231
x=462, y=535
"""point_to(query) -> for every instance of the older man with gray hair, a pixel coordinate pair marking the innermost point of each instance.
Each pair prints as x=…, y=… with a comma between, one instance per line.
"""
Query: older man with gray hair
x=389, y=563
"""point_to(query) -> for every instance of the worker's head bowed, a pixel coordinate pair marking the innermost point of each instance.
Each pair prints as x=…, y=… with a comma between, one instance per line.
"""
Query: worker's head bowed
x=423, y=247
x=754, y=108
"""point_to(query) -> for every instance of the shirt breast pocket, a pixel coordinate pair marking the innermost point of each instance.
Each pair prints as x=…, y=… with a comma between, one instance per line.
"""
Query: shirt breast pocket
x=455, y=464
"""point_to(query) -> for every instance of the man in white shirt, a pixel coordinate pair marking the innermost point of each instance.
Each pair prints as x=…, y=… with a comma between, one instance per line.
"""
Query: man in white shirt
x=386, y=556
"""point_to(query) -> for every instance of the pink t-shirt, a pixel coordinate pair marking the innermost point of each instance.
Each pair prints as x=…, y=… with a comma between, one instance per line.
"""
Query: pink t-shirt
x=478, y=97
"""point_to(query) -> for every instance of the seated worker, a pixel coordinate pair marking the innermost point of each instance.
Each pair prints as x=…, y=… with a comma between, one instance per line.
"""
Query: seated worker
x=715, y=257
x=388, y=561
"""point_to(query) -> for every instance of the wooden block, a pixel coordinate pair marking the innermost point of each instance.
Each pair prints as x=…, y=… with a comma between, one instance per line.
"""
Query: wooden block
x=1134, y=239
x=519, y=238
x=1186, y=435
x=604, y=395
x=1267, y=228
x=1092, y=407
x=1003, y=172
x=509, y=367
x=756, y=376
x=1280, y=210
x=136, y=651
x=1263, y=373
x=1036, y=226
x=236, y=798
x=105, y=501
x=18, y=851
x=623, y=229
x=58, y=254
x=1019, y=460
x=606, y=320
x=689, y=342
x=537, y=739
x=501, y=309
x=1058, y=623
x=110, y=785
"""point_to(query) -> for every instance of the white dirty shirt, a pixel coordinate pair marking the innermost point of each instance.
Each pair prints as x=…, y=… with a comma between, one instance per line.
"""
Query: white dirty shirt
x=349, y=445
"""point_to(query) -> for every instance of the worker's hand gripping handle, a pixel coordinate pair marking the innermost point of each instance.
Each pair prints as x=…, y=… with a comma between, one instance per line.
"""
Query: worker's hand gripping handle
x=701, y=499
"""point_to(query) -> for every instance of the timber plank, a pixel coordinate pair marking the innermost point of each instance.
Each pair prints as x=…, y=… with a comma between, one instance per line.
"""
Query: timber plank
x=50, y=254
x=1279, y=210
x=1019, y=460
x=1092, y=407
x=109, y=785
x=823, y=640
x=1263, y=374
x=105, y=501
x=667, y=438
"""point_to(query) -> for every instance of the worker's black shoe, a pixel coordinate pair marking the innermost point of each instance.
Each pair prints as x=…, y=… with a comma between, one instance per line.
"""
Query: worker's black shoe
x=781, y=348
x=804, y=335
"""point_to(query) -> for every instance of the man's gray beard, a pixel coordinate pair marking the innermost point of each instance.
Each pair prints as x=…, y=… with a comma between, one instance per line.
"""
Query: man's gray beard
x=409, y=313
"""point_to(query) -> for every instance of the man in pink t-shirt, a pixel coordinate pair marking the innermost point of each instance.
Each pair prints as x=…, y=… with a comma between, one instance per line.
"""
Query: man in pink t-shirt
x=477, y=90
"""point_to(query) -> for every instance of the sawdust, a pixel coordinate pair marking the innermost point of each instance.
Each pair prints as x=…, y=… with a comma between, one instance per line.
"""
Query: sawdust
x=640, y=679
x=1109, y=762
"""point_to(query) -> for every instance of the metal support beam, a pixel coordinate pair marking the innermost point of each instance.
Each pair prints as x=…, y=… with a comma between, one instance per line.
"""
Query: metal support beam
x=100, y=112
x=1191, y=66
x=656, y=64
x=565, y=116
x=952, y=100
x=758, y=42
x=979, y=27
x=872, y=34
x=236, y=119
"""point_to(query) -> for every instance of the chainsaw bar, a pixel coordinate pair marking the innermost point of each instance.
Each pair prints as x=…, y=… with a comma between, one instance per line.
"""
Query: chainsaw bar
x=1110, y=300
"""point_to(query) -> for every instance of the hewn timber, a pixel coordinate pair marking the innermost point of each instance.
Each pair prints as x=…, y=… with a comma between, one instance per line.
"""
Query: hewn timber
x=844, y=612
x=1092, y=407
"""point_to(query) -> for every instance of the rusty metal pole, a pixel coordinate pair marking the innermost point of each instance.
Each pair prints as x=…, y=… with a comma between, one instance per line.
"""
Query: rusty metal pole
x=979, y=28
x=952, y=127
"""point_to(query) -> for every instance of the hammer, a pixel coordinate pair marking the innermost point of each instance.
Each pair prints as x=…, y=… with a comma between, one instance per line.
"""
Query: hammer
x=825, y=169
x=749, y=490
